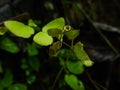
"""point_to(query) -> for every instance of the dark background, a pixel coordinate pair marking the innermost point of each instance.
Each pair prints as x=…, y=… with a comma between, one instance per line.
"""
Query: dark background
x=106, y=70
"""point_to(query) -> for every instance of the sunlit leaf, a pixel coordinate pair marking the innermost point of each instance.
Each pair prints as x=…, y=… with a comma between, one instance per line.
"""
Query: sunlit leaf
x=8, y=79
x=31, y=23
x=19, y=29
x=72, y=34
x=8, y=45
x=73, y=82
x=43, y=39
x=75, y=67
x=56, y=23
x=3, y=30
x=82, y=55
x=17, y=86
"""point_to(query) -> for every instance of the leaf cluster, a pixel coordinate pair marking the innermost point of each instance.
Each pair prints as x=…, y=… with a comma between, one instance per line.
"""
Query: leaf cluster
x=72, y=57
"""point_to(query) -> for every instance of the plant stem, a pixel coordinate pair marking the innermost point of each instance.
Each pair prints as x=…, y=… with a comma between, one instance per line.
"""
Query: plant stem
x=66, y=44
x=95, y=84
x=72, y=44
x=101, y=34
x=58, y=75
x=60, y=71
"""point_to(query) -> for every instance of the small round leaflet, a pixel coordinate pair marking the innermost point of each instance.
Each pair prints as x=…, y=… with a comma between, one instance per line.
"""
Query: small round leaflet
x=43, y=39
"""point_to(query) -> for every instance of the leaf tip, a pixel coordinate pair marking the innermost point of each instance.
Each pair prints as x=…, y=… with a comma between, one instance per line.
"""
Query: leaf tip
x=88, y=63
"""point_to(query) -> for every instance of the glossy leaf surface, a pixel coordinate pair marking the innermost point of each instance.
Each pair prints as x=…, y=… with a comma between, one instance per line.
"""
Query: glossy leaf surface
x=56, y=23
x=43, y=39
x=19, y=29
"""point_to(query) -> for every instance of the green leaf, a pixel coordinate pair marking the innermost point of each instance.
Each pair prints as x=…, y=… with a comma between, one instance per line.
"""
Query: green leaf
x=38, y=22
x=27, y=72
x=63, y=53
x=58, y=23
x=17, y=86
x=24, y=64
x=1, y=87
x=8, y=79
x=32, y=49
x=31, y=23
x=62, y=61
x=19, y=29
x=54, y=32
x=73, y=82
x=75, y=67
x=31, y=79
x=72, y=34
x=8, y=45
x=77, y=7
x=34, y=63
x=82, y=55
x=54, y=48
x=43, y=39
x=48, y=5
x=3, y=30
